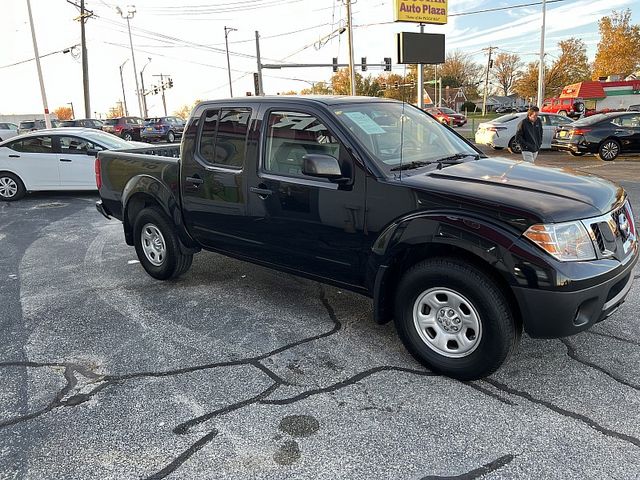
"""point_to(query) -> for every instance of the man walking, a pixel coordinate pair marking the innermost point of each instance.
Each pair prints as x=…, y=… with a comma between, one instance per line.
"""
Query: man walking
x=529, y=135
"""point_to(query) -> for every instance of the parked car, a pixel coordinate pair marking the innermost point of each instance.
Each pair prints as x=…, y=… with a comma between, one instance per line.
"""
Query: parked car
x=162, y=128
x=448, y=116
x=378, y=197
x=128, y=128
x=501, y=132
x=506, y=109
x=83, y=123
x=568, y=107
x=31, y=125
x=8, y=130
x=56, y=159
x=606, y=134
x=634, y=108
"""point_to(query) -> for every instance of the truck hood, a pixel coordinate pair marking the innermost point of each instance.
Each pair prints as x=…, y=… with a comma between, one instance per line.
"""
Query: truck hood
x=526, y=192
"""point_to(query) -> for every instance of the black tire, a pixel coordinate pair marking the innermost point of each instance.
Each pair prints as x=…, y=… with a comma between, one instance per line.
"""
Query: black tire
x=608, y=150
x=498, y=148
x=172, y=262
x=514, y=147
x=11, y=187
x=576, y=154
x=127, y=136
x=171, y=137
x=498, y=331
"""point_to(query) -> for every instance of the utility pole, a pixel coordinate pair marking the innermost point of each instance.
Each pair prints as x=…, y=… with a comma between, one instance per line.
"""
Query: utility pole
x=130, y=14
x=162, y=88
x=421, y=79
x=124, y=97
x=144, y=93
x=260, y=85
x=85, y=62
x=47, y=118
x=226, y=42
x=352, y=70
x=73, y=112
x=541, y=66
x=486, y=82
x=435, y=85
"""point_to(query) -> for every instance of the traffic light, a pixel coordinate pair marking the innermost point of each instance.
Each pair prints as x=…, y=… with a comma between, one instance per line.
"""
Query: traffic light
x=155, y=90
x=490, y=63
x=384, y=86
x=170, y=83
x=387, y=64
x=396, y=85
x=256, y=83
x=363, y=64
x=335, y=64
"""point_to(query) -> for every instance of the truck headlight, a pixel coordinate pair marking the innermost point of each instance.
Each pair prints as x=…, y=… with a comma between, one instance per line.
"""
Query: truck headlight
x=566, y=242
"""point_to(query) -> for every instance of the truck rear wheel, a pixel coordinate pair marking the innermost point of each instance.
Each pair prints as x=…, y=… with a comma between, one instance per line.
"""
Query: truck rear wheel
x=157, y=245
x=454, y=319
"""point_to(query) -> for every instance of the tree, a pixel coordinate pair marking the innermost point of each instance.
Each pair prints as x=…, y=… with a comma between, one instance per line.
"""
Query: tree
x=459, y=70
x=398, y=87
x=184, y=111
x=318, y=88
x=341, y=84
x=506, y=69
x=571, y=66
x=527, y=83
x=618, y=51
x=116, y=111
x=63, y=113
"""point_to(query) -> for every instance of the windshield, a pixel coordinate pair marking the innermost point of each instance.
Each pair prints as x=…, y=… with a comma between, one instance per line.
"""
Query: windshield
x=505, y=118
x=590, y=120
x=448, y=110
x=111, y=121
x=393, y=133
x=110, y=141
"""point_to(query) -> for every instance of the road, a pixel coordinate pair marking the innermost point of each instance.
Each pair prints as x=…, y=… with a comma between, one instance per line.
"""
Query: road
x=235, y=371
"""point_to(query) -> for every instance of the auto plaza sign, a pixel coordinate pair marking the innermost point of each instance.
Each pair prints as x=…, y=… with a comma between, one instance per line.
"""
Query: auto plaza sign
x=421, y=11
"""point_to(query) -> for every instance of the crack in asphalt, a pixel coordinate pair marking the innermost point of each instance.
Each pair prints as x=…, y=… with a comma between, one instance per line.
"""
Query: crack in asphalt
x=478, y=472
x=486, y=391
x=571, y=351
x=564, y=412
x=609, y=335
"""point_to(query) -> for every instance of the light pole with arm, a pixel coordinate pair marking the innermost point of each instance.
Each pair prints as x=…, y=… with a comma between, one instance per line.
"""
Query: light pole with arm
x=144, y=96
x=226, y=42
x=131, y=11
x=124, y=97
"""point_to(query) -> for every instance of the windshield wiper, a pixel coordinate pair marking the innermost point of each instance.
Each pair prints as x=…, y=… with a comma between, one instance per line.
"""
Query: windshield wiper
x=410, y=165
x=457, y=156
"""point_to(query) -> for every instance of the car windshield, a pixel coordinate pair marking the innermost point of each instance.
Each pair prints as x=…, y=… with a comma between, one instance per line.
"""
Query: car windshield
x=398, y=136
x=110, y=141
x=448, y=110
x=111, y=121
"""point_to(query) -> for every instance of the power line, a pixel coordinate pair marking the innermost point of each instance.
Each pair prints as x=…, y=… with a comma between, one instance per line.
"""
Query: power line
x=64, y=50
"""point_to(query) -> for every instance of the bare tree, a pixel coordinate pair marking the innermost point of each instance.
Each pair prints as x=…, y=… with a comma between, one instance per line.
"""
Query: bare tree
x=506, y=70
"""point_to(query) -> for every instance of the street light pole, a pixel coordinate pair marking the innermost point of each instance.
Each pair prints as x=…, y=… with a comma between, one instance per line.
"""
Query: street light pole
x=124, y=97
x=226, y=42
x=541, y=66
x=73, y=113
x=421, y=78
x=47, y=118
x=144, y=95
x=130, y=14
x=352, y=70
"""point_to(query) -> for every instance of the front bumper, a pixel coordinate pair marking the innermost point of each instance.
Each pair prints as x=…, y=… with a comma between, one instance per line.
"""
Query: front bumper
x=553, y=314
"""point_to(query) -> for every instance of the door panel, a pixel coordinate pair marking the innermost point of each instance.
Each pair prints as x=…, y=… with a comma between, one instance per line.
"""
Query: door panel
x=35, y=162
x=302, y=222
x=548, y=131
x=214, y=188
x=76, y=167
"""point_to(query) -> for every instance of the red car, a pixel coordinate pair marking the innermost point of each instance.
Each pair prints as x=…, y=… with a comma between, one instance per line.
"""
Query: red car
x=448, y=116
x=569, y=107
x=127, y=128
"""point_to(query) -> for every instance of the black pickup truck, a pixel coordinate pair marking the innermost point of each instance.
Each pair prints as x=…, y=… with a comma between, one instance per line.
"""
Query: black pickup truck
x=375, y=196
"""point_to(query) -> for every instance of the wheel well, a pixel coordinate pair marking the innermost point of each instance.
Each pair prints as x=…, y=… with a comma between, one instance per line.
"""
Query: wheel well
x=413, y=255
x=135, y=205
x=15, y=175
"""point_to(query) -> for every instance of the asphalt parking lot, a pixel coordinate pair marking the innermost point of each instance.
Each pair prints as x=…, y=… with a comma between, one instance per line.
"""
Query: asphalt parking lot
x=239, y=372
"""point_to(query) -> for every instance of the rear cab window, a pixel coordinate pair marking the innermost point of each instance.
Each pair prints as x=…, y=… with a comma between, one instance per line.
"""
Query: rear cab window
x=223, y=137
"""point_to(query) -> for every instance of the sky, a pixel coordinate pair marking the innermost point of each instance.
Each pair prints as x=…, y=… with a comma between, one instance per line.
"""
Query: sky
x=185, y=40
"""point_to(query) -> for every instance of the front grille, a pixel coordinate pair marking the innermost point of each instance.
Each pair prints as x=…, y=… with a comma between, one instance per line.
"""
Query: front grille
x=605, y=232
x=598, y=237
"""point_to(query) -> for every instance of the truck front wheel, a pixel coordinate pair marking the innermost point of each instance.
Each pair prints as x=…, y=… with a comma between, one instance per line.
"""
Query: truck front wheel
x=454, y=319
x=157, y=245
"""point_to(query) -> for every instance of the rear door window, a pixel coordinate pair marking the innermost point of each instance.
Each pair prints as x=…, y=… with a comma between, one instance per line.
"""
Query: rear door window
x=33, y=145
x=223, y=137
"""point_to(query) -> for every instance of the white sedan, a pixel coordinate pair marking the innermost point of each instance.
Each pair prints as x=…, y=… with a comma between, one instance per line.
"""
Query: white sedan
x=56, y=159
x=501, y=132
x=8, y=130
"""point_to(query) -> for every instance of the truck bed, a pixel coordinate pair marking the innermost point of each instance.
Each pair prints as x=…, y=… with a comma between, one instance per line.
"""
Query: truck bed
x=118, y=167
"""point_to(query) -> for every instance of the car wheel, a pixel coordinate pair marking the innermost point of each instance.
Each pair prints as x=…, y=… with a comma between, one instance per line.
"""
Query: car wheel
x=454, y=319
x=171, y=137
x=608, y=150
x=563, y=113
x=514, y=147
x=157, y=245
x=576, y=154
x=11, y=187
x=127, y=136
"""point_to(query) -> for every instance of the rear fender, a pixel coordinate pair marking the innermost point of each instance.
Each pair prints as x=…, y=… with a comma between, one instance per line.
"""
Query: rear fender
x=142, y=191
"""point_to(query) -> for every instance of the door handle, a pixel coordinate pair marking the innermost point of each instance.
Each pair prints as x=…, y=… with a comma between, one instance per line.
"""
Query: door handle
x=261, y=192
x=14, y=156
x=195, y=180
x=65, y=160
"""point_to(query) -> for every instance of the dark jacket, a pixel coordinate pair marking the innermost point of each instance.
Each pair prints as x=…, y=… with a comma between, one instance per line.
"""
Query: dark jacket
x=529, y=135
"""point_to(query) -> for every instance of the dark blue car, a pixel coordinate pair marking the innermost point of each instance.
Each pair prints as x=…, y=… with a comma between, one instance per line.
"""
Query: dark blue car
x=162, y=128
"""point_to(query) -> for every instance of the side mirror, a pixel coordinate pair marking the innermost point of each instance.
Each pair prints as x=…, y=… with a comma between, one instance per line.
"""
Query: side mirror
x=92, y=152
x=322, y=166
